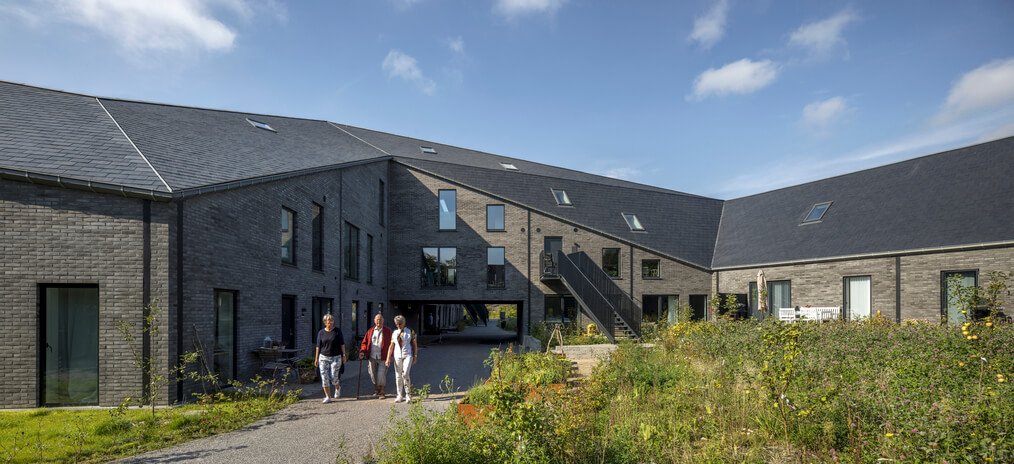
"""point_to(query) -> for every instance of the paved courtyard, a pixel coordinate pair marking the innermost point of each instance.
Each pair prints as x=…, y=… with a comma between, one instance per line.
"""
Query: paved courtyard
x=311, y=432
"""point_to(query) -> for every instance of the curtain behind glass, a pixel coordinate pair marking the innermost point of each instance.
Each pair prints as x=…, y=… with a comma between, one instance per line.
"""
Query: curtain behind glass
x=71, y=346
x=225, y=307
x=859, y=306
x=780, y=294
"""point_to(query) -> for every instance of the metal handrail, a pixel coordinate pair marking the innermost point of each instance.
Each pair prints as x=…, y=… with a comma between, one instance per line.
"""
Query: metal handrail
x=595, y=303
x=620, y=303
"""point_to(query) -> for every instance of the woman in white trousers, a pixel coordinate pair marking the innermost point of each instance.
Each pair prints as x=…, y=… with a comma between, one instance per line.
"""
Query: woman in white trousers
x=404, y=354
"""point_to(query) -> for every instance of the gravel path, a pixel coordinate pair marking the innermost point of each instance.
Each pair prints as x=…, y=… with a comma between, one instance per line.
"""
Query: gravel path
x=312, y=432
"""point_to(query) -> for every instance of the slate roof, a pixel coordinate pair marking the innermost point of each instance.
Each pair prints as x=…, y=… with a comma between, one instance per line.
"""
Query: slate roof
x=67, y=135
x=679, y=225
x=195, y=147
x=958, y=197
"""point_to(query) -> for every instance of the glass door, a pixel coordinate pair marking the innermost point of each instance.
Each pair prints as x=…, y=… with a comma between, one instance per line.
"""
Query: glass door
x=70, y=345
x=225, y=335
x=951, y=309
x=858, y=304
x=289, y=321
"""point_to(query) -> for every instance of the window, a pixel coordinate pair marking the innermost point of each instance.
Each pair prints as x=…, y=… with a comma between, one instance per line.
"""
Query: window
x=494, y=217
x=509, y=166
x=495, y=267
x=632, y=221
x=779, y=295
x=560, y=308
x=448, y=209
x=428, y=150
x=318, y=238
x=260, y=125
x=649, y=269
x=225, y=336
x=288, y=236
x=561, y=197
x=611, y=261
x=817, y=212
x=382, y=202
x=369, y=260
x=69, y=349
x=659, y=308
x=321, y=306
x=350, y=262
x=858, y=303
x=439, y=267
x=950, y=308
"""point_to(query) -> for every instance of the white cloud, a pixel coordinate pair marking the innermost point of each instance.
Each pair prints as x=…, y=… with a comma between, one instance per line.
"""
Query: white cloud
x=741, y=77
x=824, y=113
x=985, y=87
x=456, y=44
x=997, y=134
x=514, y=8
x=821, y=37
x=175, y=25
x=710, y=28
x=398, y=64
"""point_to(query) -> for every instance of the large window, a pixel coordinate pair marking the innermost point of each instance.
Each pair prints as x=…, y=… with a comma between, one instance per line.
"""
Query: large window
x=650, y=269
x=439, y=267
x=494, y=217
x=858, y=302
x=779, y=295
x=369, y=259
x=318, y=237
x=495, y=267
x=950, y=308
x=448, y=209
x=561, y=308
x=611, y=261
x=225, y=335
x=350, y=258
x=659, y=308
x=70, y=345
x=321, y=306
x=288, y=236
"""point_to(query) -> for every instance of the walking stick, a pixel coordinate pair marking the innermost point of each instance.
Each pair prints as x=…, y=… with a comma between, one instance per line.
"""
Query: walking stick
x=359, y=381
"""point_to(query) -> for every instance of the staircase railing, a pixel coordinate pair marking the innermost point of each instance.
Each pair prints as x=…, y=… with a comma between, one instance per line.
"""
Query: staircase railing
x=598, y=307
x=623, y=305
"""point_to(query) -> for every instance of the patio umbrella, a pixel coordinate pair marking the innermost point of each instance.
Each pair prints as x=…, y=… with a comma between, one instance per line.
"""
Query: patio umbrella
x=762, y=285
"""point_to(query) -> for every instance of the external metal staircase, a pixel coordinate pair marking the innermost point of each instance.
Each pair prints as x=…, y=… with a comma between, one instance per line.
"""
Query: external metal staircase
x=616, y=314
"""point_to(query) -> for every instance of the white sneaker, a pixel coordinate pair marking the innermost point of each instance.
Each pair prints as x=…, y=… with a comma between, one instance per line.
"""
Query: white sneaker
x=326, y=400
x=399, y=399
x=408, y=399
x=337, y=392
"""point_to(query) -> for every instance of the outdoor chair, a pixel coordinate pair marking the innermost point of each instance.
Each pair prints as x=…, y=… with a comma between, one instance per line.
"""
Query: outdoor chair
x=808, y=314
x=787, y=314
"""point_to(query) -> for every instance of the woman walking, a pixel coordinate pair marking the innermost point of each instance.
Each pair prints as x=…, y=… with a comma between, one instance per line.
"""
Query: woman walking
x=404, y=354
x=330, y=344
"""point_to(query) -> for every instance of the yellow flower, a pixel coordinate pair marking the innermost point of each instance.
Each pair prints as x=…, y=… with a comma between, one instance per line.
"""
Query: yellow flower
x=961, y=364
x=890, y=434
x=969, y=337
x=962, y=312
x=989, y=324
x=975, y=337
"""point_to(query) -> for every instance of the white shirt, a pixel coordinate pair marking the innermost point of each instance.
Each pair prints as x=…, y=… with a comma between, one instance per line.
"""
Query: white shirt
x=405, y=336
x=375, y=341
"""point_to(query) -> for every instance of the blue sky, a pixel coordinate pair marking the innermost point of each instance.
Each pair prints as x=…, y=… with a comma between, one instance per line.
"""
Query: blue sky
x=719, y=98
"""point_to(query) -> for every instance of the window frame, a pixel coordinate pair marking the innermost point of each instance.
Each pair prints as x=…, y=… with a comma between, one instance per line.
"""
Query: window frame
x=503, y=217
x=632, y=220
x=943, y=292
x=847, y=295
x=382, y=201
x=566, y=197
x=820, y=217
x=369, y=259
x=619, y=260
x=43, y=300
x=289, y=227
x=658, y=269
x=441, y=276
x=235, y=330
x=350, y=252
x=563, y=319
x=317, y=236
x=452, y=210
x=492, y=269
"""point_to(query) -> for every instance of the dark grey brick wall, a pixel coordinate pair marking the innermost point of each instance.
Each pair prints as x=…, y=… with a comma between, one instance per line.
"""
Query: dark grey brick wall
x=60, y=236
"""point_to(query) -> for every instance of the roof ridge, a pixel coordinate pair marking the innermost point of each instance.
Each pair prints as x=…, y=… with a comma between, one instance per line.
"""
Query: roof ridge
x=637, y=184
x=336, y=126
x=138, y=150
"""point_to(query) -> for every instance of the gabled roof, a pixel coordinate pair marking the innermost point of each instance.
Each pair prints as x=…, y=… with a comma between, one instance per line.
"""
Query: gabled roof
x=955, y=198
x=70, y=136
x=678, y=225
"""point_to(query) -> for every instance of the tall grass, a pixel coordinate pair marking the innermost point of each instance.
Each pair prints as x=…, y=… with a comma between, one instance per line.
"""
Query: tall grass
x=751, y=391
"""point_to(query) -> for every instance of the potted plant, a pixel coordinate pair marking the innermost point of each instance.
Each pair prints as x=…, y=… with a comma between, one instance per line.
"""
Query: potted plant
x=308, y=373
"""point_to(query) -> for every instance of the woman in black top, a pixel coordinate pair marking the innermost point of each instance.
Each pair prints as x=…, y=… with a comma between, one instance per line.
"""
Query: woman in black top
x=330, y=344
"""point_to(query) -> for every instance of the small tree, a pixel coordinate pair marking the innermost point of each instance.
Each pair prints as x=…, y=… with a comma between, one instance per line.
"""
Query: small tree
x=155, y=375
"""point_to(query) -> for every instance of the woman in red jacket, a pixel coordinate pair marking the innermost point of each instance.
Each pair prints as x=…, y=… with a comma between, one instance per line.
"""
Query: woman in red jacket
x=374, y=347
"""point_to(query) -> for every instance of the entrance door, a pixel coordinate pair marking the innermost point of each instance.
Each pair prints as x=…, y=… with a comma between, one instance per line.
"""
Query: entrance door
x=699, y=303
x=551, y=246
x=857, y=297
x=951, y=309
x=289, y=321
x=225, y=335
x=70, y=345
x=659, y=308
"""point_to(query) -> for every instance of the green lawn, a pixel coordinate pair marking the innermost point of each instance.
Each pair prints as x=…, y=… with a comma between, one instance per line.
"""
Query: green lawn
x=74, y=435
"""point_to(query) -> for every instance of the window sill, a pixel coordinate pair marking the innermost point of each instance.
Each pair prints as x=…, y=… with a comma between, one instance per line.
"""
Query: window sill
x=501, y=287
x=496, y=230
x=651, y=278
x=352, y=279
x=447, y=230
x=292, y=265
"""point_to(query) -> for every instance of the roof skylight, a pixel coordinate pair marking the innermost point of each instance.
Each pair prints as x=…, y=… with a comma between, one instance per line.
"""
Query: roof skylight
x=817, y=212
x=509, y=166
x=561, y=197
x=632, y=221
x=260, y=125
x=428, y=150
